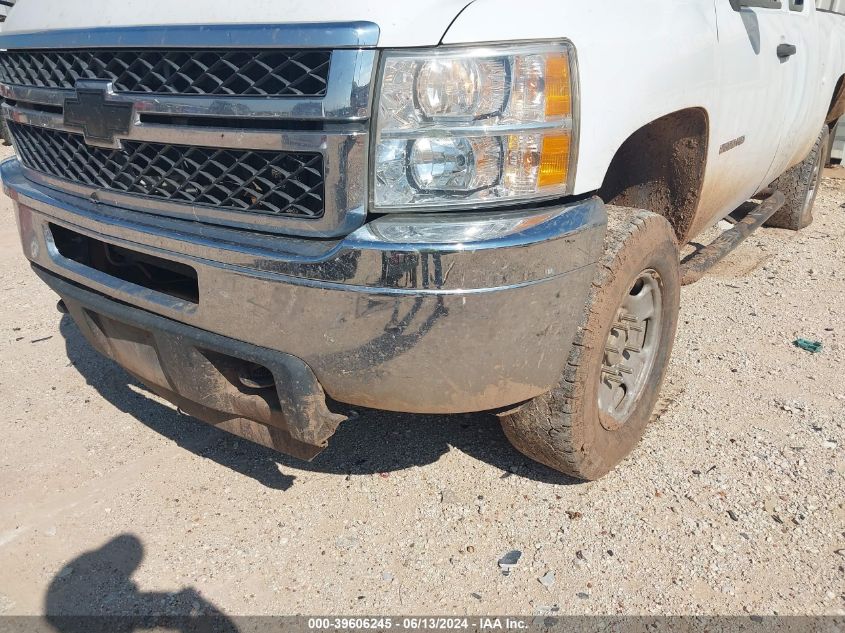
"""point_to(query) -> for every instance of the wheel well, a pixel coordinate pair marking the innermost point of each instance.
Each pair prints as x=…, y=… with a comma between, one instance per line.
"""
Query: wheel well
x=837, y=103
x=660, y=168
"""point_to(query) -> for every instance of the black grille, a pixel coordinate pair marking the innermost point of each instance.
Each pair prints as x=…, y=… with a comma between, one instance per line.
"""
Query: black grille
x=271, y=183
x=288, y=73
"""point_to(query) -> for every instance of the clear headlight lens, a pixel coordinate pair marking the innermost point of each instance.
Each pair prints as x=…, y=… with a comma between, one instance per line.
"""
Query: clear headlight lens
x=474, y=127
x=460, y=88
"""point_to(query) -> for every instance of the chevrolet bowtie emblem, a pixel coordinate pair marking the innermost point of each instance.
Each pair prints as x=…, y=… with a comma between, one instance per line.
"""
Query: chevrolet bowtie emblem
x=100, y=118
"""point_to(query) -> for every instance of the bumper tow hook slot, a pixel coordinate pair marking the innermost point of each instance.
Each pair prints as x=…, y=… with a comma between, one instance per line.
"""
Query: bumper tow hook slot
x=256, y=377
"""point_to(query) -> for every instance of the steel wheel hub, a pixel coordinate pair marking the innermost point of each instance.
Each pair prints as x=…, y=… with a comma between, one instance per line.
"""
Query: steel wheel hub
x=630, y=350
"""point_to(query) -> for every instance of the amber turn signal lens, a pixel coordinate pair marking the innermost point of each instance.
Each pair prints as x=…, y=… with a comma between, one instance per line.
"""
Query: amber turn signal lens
x=558, y=90
x=554, y=161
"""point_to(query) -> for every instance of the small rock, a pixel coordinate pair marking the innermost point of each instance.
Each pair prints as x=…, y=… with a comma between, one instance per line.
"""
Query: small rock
x=547, y=579
x=733, y=515
x=448, y=497
x=573, y=514
x=477, y=596
x=582, y=595
x=546, y=610
x=346, y=542
x=509, y=561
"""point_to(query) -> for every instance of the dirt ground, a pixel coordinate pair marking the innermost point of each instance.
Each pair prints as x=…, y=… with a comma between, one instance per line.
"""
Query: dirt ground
x=112, y=502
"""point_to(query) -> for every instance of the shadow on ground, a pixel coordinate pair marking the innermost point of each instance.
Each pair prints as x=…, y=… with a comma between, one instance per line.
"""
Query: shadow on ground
x=95, y=592
x=372, y=442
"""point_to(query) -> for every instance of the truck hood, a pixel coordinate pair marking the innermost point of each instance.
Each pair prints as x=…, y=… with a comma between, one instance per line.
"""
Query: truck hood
x=401, y=23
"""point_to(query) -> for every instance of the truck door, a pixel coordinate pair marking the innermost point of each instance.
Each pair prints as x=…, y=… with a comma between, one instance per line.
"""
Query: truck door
x=747, y=126
x=803, y=95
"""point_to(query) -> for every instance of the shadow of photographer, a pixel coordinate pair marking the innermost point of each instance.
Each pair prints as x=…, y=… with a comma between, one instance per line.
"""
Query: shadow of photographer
x=95, y=592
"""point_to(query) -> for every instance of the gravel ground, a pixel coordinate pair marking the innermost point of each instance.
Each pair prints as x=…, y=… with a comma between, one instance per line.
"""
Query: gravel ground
x=734, y=503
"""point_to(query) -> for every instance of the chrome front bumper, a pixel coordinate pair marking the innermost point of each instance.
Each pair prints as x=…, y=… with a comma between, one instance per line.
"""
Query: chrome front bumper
x=455, y=326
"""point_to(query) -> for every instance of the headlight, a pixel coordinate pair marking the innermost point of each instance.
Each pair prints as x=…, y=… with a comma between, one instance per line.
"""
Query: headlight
x=470, y=127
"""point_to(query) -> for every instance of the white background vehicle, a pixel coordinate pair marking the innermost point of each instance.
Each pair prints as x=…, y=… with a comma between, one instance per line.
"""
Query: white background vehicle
x=461, y=159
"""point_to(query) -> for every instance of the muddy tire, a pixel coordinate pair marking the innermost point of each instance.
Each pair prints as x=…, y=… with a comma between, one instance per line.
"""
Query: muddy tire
x=800, y=185
x=581, y=427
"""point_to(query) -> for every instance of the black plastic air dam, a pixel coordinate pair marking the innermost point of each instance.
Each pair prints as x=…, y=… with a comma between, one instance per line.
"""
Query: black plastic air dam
x=200, y=372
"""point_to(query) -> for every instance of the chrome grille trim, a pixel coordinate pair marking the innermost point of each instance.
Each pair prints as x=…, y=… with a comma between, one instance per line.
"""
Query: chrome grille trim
x=341, y=118
x=206, y=136
x=332, y=35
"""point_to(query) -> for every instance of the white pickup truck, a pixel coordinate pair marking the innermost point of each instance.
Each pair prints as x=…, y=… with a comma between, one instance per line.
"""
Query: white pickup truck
x=268, y=210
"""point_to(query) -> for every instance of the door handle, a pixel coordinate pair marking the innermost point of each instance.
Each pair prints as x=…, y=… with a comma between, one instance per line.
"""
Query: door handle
x=787, y=50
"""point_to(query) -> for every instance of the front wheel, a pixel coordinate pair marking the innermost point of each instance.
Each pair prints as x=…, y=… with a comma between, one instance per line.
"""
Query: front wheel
x=600, y=408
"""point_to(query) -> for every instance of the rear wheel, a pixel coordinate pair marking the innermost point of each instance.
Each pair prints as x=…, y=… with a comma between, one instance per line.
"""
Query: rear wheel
x=610, y=384
x=831, y=141
x=800, y=185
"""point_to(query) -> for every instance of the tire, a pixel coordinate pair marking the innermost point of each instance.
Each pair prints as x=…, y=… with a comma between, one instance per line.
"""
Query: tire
x=800, y=185
x=567, y=429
